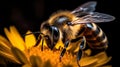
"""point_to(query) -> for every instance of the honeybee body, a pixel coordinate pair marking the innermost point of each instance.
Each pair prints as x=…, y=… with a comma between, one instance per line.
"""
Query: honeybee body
x=94, y=35
x=75, y=27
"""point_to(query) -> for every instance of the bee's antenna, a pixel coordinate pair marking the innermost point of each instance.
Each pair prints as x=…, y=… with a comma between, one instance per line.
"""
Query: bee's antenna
x=33, y=33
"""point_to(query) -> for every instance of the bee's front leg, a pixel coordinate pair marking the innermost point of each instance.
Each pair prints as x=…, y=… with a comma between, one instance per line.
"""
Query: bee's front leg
x=38, y=41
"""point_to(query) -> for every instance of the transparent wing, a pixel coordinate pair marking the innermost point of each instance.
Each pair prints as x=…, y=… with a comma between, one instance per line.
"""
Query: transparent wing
x=95, y=17
x=87, y=7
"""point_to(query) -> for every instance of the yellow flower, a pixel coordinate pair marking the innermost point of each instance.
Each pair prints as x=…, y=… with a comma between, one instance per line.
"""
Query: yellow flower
x=22, y=51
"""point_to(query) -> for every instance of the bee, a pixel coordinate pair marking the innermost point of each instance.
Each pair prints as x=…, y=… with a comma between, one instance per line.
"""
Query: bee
x=77, y=27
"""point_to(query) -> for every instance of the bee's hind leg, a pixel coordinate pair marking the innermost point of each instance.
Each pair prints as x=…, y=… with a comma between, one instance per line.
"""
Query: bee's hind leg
x=80, y=52
x=64, y=49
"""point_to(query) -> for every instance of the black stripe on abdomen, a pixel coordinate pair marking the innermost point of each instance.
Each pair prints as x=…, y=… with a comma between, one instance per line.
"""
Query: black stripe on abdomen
x=95, y=37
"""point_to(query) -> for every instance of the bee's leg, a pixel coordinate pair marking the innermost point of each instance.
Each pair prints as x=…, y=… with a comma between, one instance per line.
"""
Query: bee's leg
x=64, y=49
x=80, y=52
x=38, y=41
x=79, y=55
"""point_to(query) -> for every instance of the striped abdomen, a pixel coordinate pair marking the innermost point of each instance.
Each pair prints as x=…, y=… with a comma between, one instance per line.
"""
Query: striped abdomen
x=95, y=37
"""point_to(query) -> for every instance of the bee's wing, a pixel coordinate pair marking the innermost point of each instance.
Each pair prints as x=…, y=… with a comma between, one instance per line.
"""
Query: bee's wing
x=87, y=7
x=95, y=17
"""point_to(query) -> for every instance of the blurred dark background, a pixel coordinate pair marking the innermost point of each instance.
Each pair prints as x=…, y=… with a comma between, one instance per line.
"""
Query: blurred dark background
x=28, y=15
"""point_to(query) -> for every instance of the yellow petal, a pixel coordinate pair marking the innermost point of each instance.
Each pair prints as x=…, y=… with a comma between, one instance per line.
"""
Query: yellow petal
x=5, y=42
x=17, y=38
x=30, y=40
x=8, y=57
x=102, y=58
x=11, y=39
x=4, y=48
x=4, y=45
x=88, y=61
x=103, y=62
x=20, y=55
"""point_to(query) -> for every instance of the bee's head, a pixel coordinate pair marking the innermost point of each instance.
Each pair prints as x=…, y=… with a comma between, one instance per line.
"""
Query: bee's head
x=51, y=34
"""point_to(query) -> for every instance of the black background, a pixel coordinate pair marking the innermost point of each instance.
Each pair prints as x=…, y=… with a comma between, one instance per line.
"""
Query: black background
x=28, y=15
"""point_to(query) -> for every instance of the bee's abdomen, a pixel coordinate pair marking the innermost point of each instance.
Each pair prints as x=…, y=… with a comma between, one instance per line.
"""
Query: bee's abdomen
x=95, y=37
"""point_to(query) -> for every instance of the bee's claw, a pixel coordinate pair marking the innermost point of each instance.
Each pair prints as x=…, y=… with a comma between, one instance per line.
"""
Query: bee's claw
x=78, y=63
x=60, y=59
